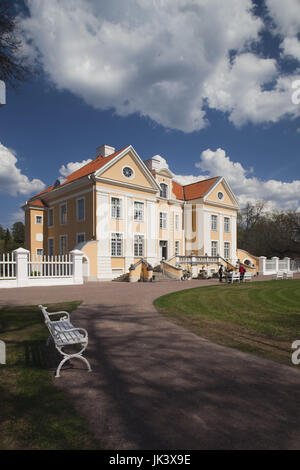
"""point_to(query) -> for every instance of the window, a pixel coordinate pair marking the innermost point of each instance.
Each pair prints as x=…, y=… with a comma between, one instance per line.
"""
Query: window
x=39, y=219
x=139, y=211
x=138, y=245
x=214, y=222
x=177, y=248
x=50, y=246
x=81, y=209
x=214, y=248
x=50, y=218
x=163, y=221
x=163, y=190
x=226, y=224
x=115, y=208
x=80, y=237
x=39, y=252
x=63, y=244
x=116, y=244
x=220, y=195
x=177, y=222
x=63, y=214
x=226, y=250
x=127, y=172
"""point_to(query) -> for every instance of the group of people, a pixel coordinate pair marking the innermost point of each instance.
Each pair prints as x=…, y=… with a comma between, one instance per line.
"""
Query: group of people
x=227, y=272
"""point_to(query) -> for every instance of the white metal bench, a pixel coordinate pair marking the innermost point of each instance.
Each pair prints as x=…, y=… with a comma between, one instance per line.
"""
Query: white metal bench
x=247, y=276
x=288, y=275
x=65, y=334
x=278, y=275
x=233, y=277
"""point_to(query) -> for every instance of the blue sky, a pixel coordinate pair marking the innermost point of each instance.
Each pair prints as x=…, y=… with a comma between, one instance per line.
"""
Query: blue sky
x=156, y=75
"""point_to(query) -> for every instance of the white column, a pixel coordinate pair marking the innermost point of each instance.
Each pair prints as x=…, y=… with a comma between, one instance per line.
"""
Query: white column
x=21, y=257
x=152, y=233
x=262, y=265
x=188, y=227
x=207, y=229
x=77, y=256
x=103, y=236
x=221, y=228
x=128, y=242
x=276, y=259
x=233, y=228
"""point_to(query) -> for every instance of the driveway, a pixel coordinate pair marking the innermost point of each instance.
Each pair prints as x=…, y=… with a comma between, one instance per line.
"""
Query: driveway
x=155, y=385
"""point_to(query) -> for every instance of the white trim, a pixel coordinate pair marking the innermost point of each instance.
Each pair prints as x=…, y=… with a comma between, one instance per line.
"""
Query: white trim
x=139, y=202
x=168, y=190
x=221, y=180
x=39, y=223
x=166, y=213
x=121, y=199
x=61, y=200
x=122, y=254
x=144, y=245
x=211, y=242
x=39, y=249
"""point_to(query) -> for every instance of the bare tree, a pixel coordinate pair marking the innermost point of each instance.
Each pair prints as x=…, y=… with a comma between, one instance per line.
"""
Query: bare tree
x=13, y=67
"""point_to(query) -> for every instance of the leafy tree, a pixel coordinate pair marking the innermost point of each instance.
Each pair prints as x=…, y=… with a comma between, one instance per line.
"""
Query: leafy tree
x=18, y=233
x=13, y=67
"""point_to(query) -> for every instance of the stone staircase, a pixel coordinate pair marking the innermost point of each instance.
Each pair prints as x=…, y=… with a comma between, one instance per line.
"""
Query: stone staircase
x=122, y=278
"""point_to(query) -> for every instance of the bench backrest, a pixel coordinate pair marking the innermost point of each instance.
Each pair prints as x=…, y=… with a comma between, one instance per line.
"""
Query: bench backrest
x=45, y=313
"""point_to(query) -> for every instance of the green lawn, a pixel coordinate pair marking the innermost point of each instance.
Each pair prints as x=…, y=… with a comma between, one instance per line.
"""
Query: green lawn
x=34, y=414
x=260, y=317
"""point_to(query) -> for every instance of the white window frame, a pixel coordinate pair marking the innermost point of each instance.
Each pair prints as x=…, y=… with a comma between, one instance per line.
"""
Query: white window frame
x=214, y=222
x=214, y=248
x=141, y=243
x=77, y=236
x=112, y=208
x=229, y=250
x=40, y=249
x=39, y=223
x=60, y=244
x=177, y=248
x=116, y=255
x=161, y=219
x=137, y=211
x=177, y=222
x=167, y=190
x=51, y=238
x=60, y=213
x=77, y=209
x=51, y=210
x=227, y=228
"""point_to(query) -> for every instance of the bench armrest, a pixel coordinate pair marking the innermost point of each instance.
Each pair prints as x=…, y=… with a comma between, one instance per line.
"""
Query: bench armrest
x=44, y=310
x=70, y=330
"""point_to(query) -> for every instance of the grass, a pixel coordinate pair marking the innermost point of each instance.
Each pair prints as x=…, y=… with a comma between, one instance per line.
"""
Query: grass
x=258, y=317
x=34, y=414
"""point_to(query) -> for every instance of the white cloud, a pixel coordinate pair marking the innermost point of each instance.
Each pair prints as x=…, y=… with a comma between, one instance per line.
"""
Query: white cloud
x=247, y=188
x=12, y=181
x=286, y=16
x=165, y=59
x=70, y=167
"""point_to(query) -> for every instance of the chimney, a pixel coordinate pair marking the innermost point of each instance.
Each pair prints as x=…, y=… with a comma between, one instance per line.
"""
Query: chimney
x=105, y=150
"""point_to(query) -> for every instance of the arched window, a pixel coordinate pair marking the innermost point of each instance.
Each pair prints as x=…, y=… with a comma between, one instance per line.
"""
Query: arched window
x=164, y=190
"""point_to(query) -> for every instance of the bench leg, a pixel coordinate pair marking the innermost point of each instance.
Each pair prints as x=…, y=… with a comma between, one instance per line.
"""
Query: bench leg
x=67, y=357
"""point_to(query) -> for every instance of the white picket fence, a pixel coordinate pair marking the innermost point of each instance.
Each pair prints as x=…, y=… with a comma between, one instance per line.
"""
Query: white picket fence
x=21, y=269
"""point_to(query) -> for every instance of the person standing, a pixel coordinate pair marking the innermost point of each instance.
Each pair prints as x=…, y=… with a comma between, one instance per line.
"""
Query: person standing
x=220, y=273
x=242, y=273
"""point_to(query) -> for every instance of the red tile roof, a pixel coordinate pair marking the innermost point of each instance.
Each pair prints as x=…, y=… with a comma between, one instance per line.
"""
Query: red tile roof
x=85, y=170
x=198, y=189
x=37, y=203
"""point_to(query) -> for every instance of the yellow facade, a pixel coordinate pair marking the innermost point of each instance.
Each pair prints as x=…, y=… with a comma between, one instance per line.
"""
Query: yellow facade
x=168, y=225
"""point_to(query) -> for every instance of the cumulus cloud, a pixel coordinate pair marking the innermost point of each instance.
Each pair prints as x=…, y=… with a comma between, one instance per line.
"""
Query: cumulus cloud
x=246, y=187
x=286, y=16
x=12, y=181
x=70, y=167
x=164, y=59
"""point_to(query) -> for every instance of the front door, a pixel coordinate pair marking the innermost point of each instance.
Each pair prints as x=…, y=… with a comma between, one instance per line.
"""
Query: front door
x=163, y=249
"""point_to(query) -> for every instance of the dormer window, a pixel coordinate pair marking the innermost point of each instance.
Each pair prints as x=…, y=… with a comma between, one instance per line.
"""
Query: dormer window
x=164, y=190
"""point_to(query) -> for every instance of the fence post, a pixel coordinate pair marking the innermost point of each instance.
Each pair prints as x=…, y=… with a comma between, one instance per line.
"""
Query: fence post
x=21, y=257
x=276, y=259
x=77, y=263
x=262, y=265
x=288, y=263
